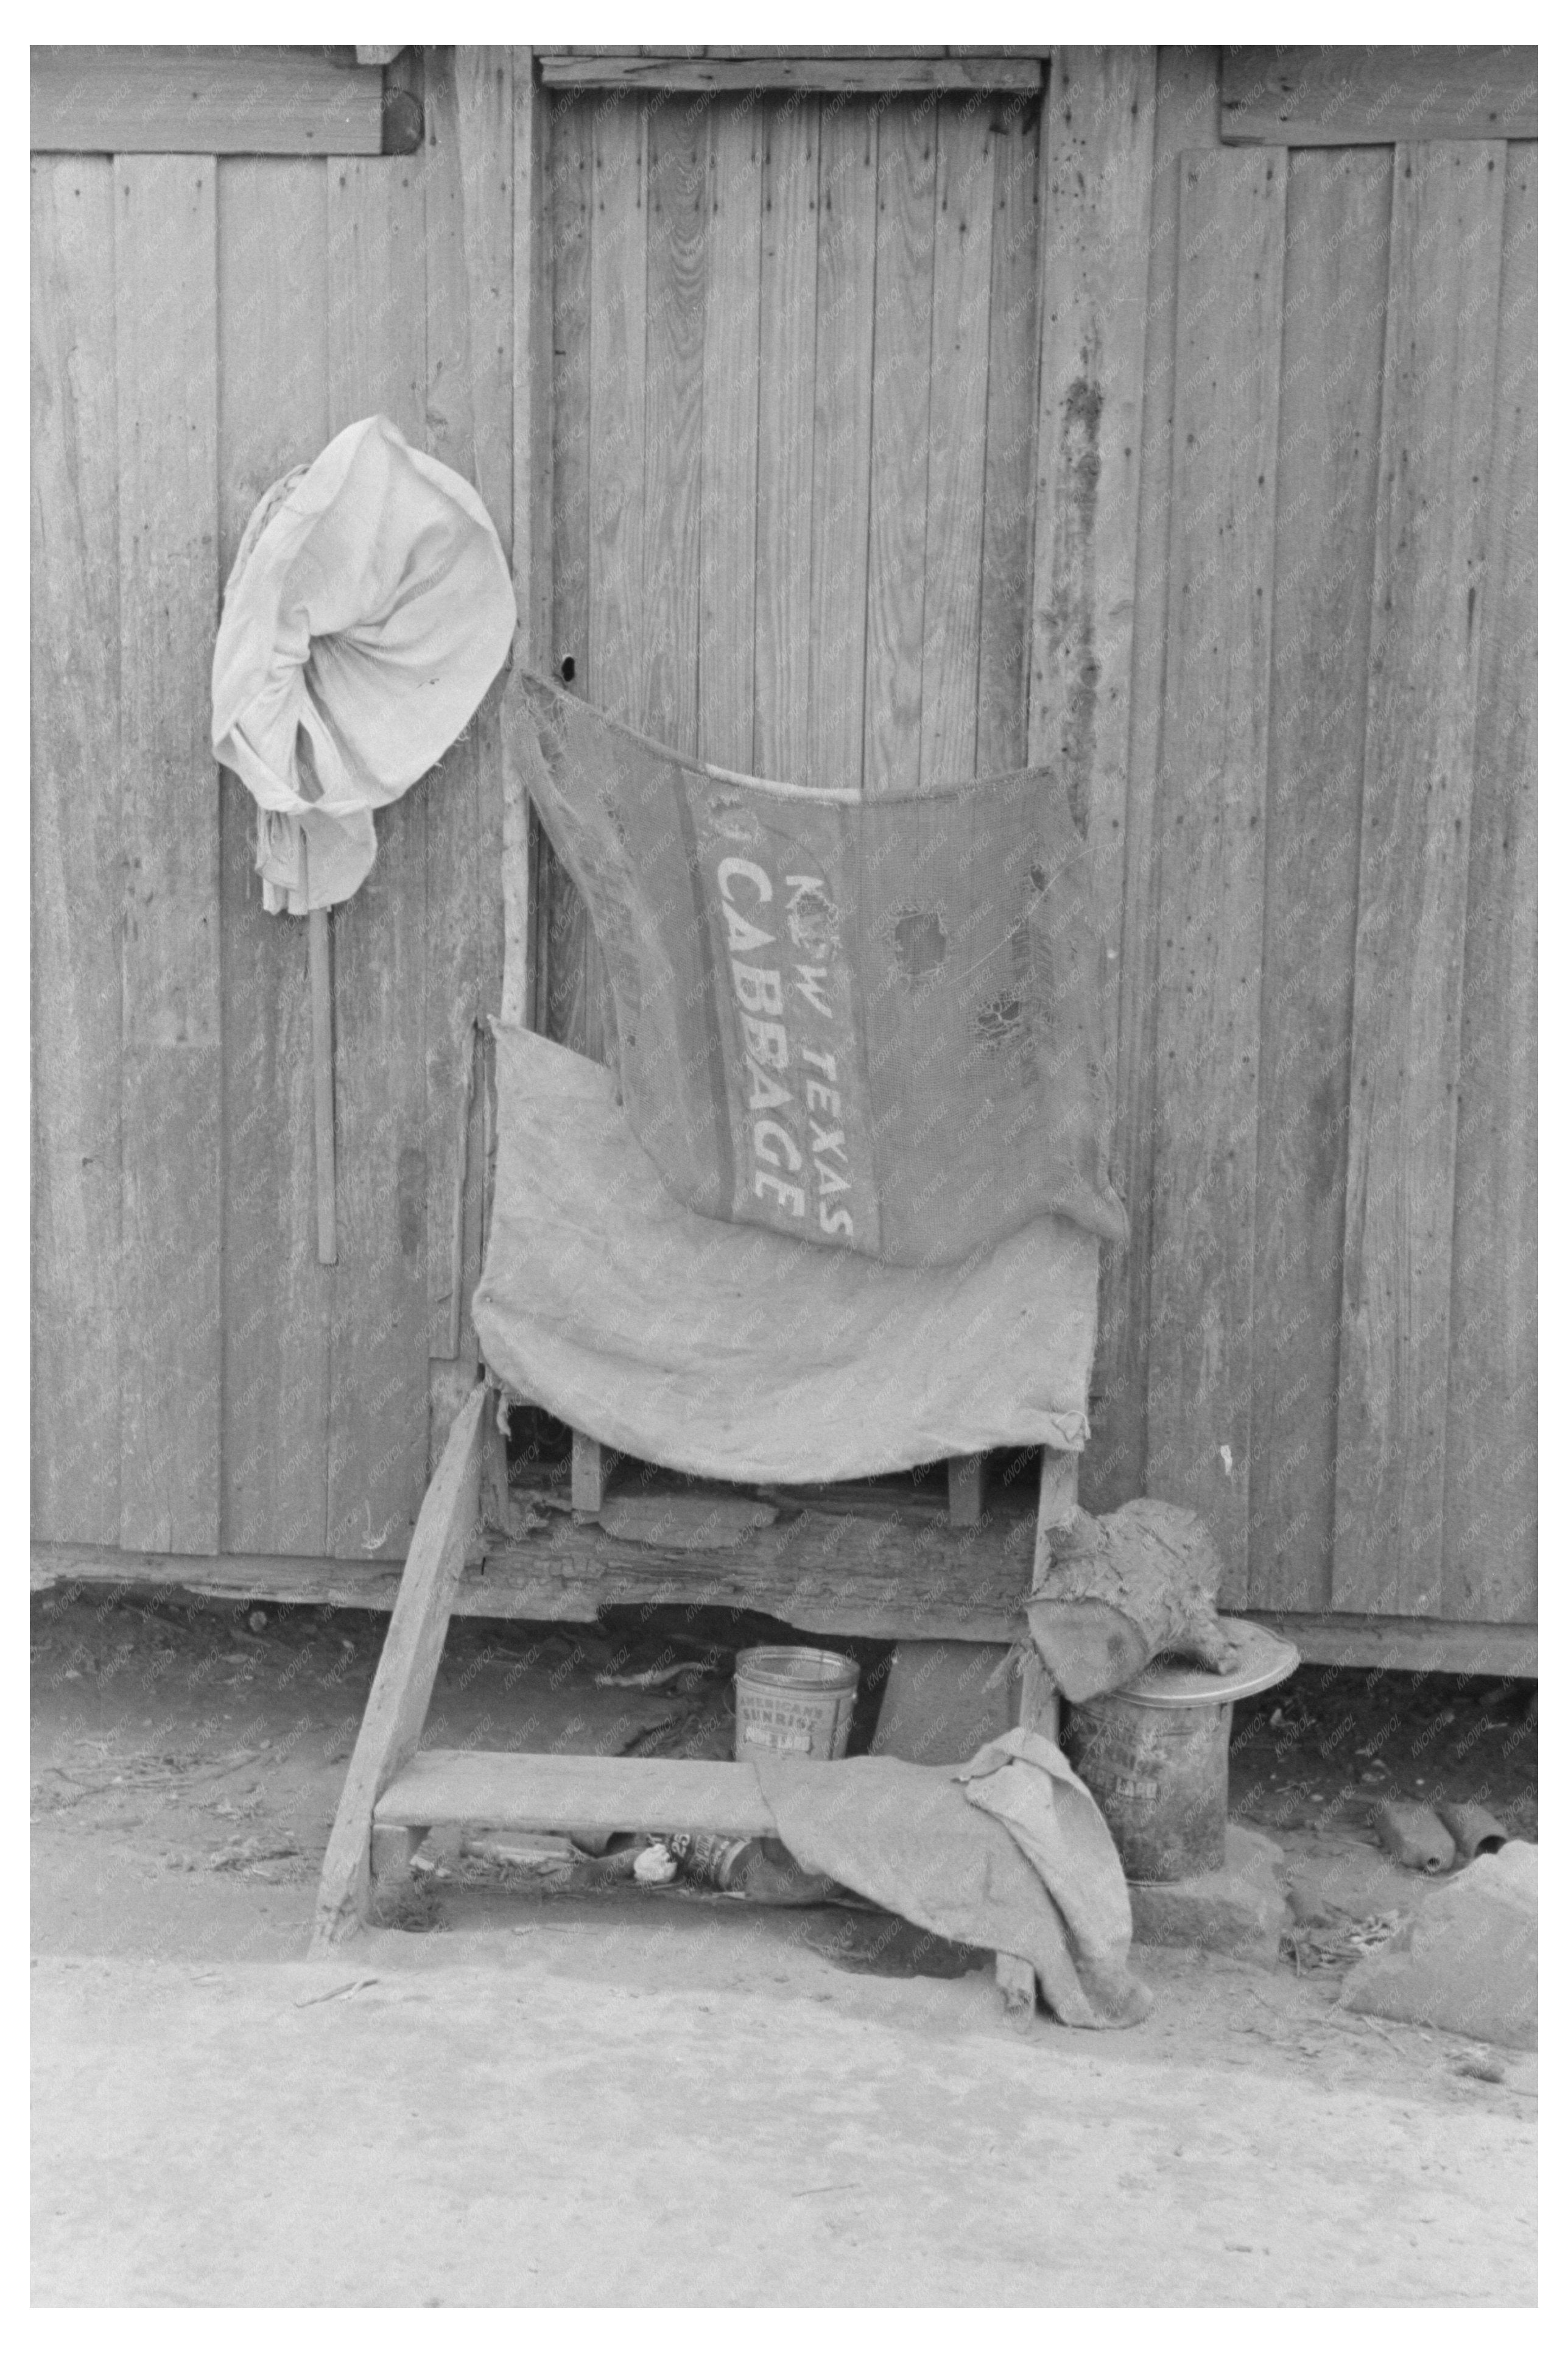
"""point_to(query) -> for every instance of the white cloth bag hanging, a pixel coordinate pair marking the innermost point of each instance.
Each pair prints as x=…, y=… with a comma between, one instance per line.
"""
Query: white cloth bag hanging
x=369, y=608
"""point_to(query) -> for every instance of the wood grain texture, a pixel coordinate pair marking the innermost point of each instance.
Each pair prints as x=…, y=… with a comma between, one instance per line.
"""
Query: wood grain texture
x=379, y=1411
x=759, y=69
x=732, y=333
x=901, y=432
x=512, y=1792
x=1343, y=97
x=488, y=132
x=406, y=1673
x=907, y=1604
x=1098, y=190
x=785, y=406
x=1336, y=276
x=319, y=959
x=590, y=1472
x=955, y=465
x=1213, y=768
x=671, y=600
x=534, y=498
x=165, y=278
x=617, y=640
x=466, y=177
x=77, y=880
x=1434, y=475
x=1115, y=1463
x=1097, y=226
x=1489, y=1464
x=273, y=415
x=564, y=944
x=617, y=392
x=841, y=446
x=202, y=101
x=1006, y=582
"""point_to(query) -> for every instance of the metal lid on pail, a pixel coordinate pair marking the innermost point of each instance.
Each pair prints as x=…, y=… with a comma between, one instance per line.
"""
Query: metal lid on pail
x=787, y=1666
x=1264, y=1659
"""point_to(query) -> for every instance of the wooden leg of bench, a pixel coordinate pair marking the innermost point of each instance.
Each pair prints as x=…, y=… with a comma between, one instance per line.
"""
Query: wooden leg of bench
x=393, y=1847
x=965, y=1490
x=590, y=1472
x=400, y=1696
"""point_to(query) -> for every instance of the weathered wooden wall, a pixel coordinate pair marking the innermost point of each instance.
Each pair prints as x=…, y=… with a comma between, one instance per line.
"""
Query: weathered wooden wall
x=892, y=437
x=1202, y=471
x=201, y=1383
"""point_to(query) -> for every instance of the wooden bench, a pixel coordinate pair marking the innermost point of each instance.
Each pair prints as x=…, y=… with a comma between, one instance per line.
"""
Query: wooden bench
x=394, y=1794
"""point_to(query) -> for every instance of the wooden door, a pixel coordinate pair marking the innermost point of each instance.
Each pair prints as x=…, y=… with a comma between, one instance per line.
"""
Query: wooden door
x=795, y=341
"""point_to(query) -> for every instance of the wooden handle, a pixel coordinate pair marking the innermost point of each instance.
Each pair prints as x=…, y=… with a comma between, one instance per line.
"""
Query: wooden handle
x=322, y=1061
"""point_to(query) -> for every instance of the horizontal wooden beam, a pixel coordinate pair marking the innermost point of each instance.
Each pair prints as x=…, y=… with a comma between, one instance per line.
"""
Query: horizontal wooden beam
x=1372, y=98
x=839, y=1575
x=508, y=1792
x=780, y=68
x=825, y=1575
x=1445, y=1646
x=205, y=101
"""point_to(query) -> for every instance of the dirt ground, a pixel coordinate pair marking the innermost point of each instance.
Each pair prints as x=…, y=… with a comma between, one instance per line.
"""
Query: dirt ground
x=662, y=2096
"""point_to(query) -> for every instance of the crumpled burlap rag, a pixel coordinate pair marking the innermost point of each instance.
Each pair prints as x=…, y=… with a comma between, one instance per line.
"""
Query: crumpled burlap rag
x=1008, y=1852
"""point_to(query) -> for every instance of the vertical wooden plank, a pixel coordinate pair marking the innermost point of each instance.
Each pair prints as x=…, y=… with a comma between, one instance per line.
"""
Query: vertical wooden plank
x=452, y=888
x=486, y=121
x=1116, y=1461
x=618, y=333
x=841, y=444
x=1099, y=175
x=671, y=596
x=166, y=279
x=727, y=529
x=955, y=469
x=1006, y=585
x=965, y=1490
x=1433, y=473
x=77, y=880
x=1336, y=278
x=591, y=1464
x=1213, y=771
x=276, y=1298
x=468, y=164
x=901, y=422
x=565, y=945
x=380, y=1401
x=786, y=400
x=617, y=296
x=1490, y=1467
x=1098, y=191
x=533, y=477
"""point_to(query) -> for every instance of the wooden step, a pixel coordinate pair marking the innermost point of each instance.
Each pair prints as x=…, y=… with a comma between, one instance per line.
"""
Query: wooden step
x=587, y=1793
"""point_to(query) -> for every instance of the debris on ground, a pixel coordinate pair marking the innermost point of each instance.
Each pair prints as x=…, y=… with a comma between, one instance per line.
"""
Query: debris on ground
x=1474, y=1828
x=1320, y=1754
x=336, y=1993
x=683, y=1675
x=1484, y=2070
x=246, y=1854
x=1335, y=1946
x=1413, y=1835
